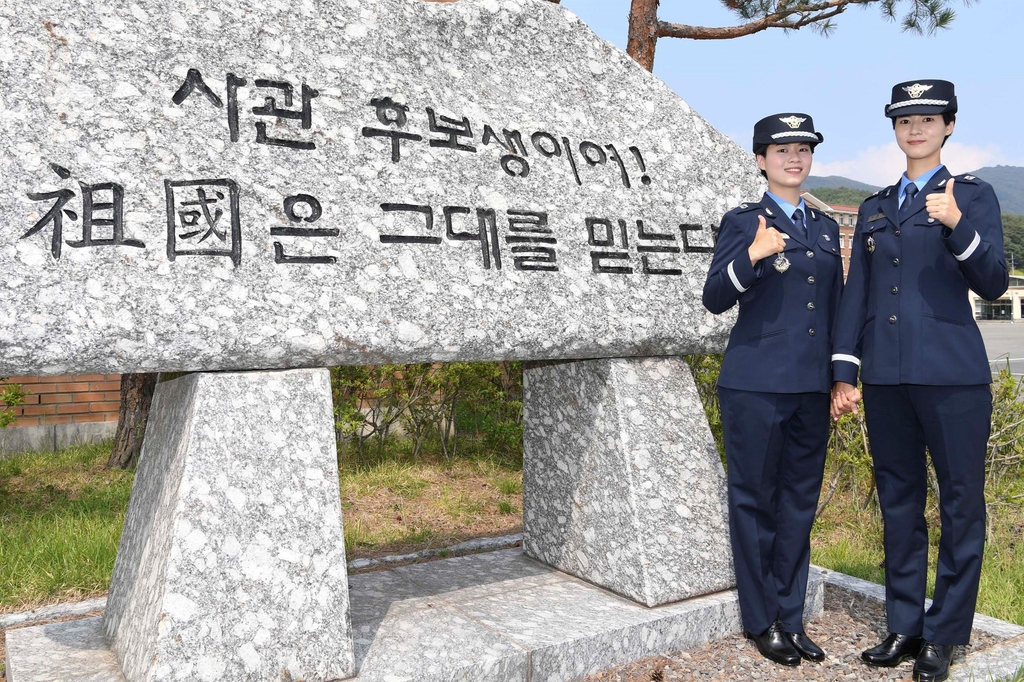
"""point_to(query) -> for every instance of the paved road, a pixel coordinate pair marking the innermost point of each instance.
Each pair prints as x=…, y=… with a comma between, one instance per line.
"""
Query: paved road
x=1004, y=341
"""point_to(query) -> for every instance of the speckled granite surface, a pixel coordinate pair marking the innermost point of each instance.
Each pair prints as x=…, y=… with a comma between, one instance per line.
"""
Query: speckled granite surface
x=622, y=484
x=232, y=559
x=164, y=164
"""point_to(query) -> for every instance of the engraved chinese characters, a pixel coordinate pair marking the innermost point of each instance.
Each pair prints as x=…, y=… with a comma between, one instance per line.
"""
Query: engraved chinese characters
x=95, y=214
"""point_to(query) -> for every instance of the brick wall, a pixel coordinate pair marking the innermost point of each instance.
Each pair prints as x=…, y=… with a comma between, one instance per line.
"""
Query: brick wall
x=68, y=399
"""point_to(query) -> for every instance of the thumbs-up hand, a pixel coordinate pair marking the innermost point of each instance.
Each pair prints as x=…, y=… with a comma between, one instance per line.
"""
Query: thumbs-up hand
x=942, y=206
x=767, y=241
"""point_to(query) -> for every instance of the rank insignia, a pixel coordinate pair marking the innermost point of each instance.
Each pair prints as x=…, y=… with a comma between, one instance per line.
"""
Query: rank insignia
x=781, y=263
x=871, y=244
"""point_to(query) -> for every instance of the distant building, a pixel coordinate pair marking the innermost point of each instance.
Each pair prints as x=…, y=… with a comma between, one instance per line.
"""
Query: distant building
x=1009, y=308
x=846, y=216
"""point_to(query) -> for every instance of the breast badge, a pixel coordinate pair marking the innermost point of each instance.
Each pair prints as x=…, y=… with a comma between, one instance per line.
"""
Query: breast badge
x=781, y=263
x=871, y=244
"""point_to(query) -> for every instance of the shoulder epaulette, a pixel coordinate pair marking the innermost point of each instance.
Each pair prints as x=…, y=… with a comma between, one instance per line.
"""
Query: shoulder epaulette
x=746, y=207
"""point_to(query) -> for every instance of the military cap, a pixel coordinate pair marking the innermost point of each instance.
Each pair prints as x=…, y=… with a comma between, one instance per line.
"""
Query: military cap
x=783, y=128
x=921, y=97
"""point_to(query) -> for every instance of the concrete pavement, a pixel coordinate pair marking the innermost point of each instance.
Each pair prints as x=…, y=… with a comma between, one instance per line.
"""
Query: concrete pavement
x=1004, y=342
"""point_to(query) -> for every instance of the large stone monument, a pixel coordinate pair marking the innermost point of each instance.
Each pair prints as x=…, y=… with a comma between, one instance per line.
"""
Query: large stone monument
x=192, y=187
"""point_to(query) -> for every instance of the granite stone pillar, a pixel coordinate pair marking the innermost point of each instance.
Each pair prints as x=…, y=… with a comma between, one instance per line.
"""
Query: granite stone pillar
x=622, y=483
x=232, y=559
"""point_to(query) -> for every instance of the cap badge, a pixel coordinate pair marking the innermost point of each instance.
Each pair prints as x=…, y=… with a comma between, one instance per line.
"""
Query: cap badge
x=916, y=90
x=793, y=121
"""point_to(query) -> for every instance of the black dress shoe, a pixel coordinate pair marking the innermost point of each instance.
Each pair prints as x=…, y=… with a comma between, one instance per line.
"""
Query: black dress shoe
x=893, y=651
x=932, y=663
x=774, y=645
x=805, y=647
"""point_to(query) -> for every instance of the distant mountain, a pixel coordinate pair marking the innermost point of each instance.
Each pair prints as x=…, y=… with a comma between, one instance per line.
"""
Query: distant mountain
x=841, y=196
x=813, y=182
x=1008, y=182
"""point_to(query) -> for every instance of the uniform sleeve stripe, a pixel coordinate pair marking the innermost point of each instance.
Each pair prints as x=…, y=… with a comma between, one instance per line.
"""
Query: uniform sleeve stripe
x=970, y=249
x=846, y=358
x=734, y=278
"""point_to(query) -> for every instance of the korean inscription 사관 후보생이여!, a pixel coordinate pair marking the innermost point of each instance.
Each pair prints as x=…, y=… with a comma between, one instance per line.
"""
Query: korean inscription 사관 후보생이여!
x=457, y=133
x=203, y=215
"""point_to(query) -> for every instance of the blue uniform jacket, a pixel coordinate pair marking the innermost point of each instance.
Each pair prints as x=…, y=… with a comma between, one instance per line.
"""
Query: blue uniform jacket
x=781, y=342
x=905, y=317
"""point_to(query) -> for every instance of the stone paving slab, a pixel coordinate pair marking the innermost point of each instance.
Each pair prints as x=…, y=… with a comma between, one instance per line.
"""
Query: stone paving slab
x=73, y=651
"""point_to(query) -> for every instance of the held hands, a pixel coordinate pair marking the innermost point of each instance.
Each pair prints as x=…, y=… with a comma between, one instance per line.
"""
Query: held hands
x=943, y=207
x=844, y=399
x=767, y=242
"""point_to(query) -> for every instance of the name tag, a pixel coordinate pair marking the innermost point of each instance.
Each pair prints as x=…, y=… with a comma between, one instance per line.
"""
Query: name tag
x=876, y=217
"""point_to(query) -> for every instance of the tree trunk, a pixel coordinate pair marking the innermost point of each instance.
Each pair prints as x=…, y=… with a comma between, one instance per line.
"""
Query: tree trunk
x=136, y=397
x=643, y=37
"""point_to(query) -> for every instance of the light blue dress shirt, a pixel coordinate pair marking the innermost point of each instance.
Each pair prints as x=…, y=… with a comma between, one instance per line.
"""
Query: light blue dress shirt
x=789, y=208
x=921, y=182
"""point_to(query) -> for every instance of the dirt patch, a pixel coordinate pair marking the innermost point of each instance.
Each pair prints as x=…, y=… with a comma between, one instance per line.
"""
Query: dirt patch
x=438, y=508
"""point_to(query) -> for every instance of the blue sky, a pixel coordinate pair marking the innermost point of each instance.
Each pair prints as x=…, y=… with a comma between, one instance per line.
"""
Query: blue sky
x=845, y=80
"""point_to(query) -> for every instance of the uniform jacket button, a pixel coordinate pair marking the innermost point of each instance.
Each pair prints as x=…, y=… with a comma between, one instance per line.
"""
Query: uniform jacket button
x=811, y=331
x=892, y=319
x=810, y=306
x=897, y=233
x=895, y=290
x=810, y=280
x=896, y=262
x=810, y=254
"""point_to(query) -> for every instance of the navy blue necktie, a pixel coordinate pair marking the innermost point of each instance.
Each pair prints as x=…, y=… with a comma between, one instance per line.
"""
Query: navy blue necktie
x=798, y=221
x=908, y=199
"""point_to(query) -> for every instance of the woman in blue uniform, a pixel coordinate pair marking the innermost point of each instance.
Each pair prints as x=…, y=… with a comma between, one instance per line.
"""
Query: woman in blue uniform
x=907, y=326
x=779, y=259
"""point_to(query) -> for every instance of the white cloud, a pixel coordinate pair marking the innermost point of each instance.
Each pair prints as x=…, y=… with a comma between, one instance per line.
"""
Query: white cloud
x=883, y=165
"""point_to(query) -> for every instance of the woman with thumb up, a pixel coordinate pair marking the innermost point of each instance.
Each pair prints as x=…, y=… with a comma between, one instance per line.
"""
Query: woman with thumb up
x=907, y=327
x=779, y=260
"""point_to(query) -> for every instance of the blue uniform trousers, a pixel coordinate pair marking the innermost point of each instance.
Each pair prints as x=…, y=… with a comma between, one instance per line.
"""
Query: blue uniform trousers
x=953, y=422
x=775, y=448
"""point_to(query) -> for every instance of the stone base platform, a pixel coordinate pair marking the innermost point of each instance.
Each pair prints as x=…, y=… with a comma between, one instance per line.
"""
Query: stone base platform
x=498, y=616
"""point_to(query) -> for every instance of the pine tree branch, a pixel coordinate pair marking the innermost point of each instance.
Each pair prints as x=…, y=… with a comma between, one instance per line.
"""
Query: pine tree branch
x=793, y=17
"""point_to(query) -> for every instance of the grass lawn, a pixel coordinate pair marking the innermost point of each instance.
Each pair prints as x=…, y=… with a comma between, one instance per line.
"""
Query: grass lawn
x=61, y=516
x=60, y=522
x=848, y=539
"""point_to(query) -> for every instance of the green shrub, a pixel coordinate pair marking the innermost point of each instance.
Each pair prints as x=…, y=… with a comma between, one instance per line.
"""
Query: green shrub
x=436, y=410
x=11, y=395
